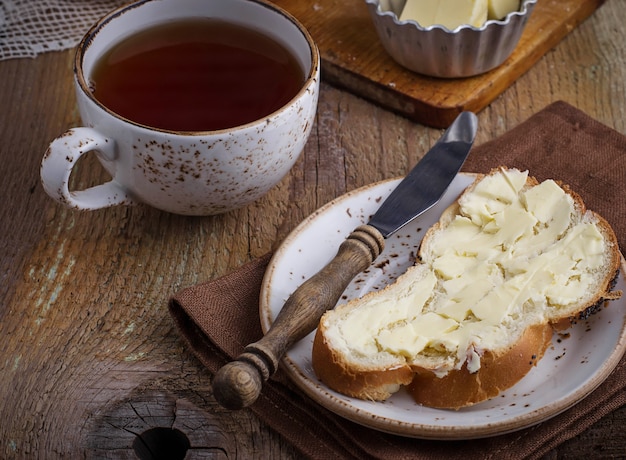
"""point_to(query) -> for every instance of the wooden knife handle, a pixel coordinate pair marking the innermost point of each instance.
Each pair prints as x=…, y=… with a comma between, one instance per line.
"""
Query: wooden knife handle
x=239, y=383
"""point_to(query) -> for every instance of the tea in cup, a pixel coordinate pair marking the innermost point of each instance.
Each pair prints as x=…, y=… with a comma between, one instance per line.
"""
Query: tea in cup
x=194, y=107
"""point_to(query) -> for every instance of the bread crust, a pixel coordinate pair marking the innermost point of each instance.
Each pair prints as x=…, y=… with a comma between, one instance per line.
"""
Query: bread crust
x=371, y=384
x=499, y=369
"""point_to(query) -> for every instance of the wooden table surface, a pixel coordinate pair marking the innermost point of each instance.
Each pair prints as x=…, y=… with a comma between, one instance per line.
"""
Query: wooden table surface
x=89, y=356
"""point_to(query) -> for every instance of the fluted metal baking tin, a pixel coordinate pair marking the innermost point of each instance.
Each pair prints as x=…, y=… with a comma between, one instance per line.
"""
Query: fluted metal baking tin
x=438, y=52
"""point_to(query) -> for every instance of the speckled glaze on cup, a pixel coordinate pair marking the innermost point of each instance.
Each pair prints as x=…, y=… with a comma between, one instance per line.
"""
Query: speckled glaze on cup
x=190, y=173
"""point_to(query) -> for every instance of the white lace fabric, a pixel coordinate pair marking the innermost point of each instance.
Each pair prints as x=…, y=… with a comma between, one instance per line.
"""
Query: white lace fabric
x=32, y=27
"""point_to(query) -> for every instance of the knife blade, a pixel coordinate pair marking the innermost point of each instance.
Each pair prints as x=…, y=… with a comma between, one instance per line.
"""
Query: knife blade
x=423, y=187
x=239, y=383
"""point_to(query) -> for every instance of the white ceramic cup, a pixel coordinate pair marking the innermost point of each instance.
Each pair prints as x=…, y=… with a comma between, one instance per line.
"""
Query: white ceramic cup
x=191, y=173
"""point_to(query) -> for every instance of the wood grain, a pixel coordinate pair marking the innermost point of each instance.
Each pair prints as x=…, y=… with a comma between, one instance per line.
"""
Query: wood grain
x=354, y=59
x=87, y=346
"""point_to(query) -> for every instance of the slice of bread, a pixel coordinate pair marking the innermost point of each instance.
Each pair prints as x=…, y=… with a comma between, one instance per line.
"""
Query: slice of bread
x=510, y=261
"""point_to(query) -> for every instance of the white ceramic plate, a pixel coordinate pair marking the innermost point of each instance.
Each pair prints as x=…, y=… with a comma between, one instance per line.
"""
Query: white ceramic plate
x=573, y=366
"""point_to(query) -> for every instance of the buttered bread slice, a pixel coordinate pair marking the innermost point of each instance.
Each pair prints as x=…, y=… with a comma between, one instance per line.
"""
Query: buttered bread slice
x=509, y=262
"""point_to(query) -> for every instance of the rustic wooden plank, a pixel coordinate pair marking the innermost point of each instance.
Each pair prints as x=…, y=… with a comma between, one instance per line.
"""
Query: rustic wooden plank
x=85, y=330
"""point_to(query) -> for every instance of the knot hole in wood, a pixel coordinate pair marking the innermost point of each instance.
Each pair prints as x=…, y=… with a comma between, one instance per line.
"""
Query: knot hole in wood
x=154, y=425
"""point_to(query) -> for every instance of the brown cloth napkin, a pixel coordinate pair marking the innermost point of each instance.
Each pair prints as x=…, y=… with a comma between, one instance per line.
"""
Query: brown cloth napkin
x=218, y=318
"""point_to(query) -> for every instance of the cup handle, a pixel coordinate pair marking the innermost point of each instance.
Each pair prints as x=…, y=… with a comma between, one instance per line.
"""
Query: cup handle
x=59, y=160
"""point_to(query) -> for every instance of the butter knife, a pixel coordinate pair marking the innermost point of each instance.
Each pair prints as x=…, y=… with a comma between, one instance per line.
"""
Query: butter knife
x=239, y=383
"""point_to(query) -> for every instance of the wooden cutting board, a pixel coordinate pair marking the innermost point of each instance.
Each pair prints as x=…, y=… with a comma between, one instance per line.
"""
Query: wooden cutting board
x=354, y=59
